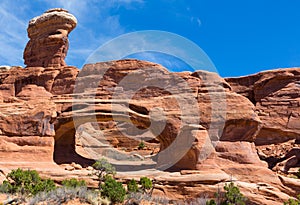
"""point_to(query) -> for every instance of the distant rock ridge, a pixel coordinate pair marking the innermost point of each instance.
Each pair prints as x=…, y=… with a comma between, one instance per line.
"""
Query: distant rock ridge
x=48, y=34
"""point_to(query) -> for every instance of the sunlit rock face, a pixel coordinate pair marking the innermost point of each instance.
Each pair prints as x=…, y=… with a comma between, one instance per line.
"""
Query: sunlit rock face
x=48, y=34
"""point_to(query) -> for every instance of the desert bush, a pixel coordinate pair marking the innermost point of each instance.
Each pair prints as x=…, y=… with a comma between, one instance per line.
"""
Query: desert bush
x=103, y=169
x=293, y=201
x=145, y=183
x=65, y=194
x=5, y=187
x=26, y=182
x=113, y=190
x=232, y=196
x=141, y=145
x=138, y=197
x=211, y=202
x=132, y=186
x=73, y=183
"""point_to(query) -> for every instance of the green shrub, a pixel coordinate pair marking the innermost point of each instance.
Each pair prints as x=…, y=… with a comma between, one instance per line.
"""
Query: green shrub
x=26, y=182
x=113, y=190
x=102, y=169
x=5, y=187
x=73, y=183
x=44, y=185
x=141, y=145
x=211, y=202
x=146, y=183
x=132, y=186
x=232, y=196
x=293, y=201
x=65, y=194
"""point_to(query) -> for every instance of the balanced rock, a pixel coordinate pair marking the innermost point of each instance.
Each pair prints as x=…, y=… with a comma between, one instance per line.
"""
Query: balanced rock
x=48, y=34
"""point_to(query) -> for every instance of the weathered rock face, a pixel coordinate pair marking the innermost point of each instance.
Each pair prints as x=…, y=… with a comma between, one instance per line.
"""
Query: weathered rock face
x=276, y=97
x=48, y=34
x=55, y=102
x=179, y=95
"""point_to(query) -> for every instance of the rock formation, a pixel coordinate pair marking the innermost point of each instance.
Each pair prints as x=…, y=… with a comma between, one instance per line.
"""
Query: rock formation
x=205, y=130
x=39, y=111
x=48, y=34
x=276, y=97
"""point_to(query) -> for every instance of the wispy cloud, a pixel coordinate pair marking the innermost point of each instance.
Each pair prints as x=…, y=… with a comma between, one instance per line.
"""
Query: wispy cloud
x=196, y=20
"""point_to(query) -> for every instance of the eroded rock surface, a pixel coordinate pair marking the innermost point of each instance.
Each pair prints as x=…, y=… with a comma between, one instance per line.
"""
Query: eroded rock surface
x=221, y=137
x=276, y=97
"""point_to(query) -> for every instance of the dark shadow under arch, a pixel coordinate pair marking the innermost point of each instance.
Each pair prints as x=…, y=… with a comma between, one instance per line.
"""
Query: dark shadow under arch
x=64, y=147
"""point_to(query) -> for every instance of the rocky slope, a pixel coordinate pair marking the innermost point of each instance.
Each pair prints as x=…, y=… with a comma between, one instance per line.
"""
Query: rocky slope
x=200, y=130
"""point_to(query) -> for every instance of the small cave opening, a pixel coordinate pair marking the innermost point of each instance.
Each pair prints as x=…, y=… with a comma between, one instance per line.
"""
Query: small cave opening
x=55, y=33
x=64, y=147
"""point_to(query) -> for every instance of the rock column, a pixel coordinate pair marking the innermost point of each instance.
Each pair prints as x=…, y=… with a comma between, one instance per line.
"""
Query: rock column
x=48, y=34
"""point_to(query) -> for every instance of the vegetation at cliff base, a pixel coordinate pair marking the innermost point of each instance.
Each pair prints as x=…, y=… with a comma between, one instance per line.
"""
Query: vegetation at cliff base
x=132, y=186
x=146, y=184
x=103, y=169
x=231, y=196
x=141, y=145
x=113, y=190
x=73, y=183
x=27, y=182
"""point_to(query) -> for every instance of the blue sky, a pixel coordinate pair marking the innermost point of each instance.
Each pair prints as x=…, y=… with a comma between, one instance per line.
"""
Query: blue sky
x=240, y=37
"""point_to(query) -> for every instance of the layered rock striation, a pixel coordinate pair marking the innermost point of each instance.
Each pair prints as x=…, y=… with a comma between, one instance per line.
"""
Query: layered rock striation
x=276, y=97
x=41, y=112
